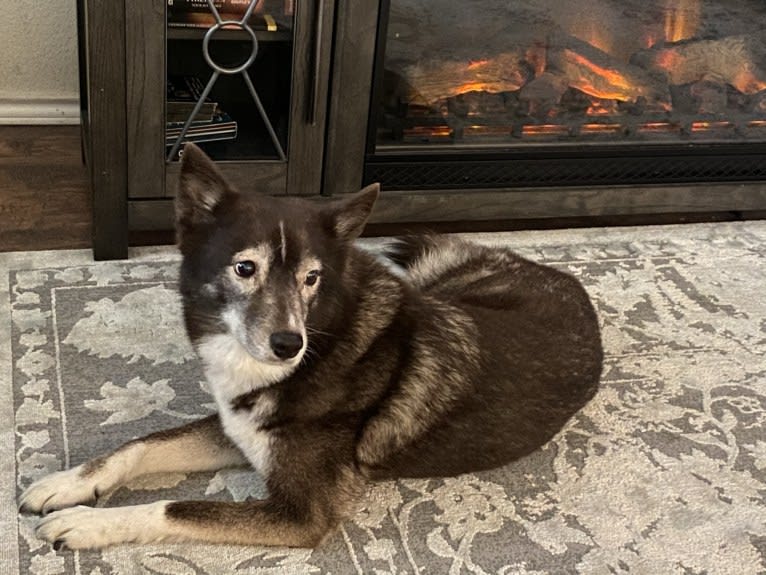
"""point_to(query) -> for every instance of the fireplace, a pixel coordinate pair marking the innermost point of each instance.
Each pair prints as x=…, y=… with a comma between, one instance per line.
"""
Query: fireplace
x=525, y=93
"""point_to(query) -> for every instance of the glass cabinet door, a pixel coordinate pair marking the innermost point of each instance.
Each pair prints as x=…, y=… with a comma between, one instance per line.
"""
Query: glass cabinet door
x=229, y=67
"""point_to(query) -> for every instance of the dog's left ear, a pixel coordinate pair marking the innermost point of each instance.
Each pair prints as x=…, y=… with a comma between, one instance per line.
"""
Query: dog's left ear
x=349, y=215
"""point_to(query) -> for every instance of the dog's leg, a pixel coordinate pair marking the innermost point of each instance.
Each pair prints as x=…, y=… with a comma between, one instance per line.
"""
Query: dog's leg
x=198, y=446
x=247, y=523
x=300, y=511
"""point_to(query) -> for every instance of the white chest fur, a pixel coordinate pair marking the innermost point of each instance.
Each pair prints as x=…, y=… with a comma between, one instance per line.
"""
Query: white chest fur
x=244, y=431
x=232, y=372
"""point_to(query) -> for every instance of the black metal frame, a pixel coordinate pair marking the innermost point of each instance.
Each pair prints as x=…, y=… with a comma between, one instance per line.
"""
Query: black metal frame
x=562, y=166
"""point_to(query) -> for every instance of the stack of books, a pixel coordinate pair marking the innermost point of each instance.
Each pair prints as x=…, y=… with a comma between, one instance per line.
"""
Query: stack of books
x=210, y=124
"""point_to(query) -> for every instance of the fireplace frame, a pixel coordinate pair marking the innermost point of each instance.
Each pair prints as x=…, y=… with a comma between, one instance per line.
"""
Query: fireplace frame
x=539, y=181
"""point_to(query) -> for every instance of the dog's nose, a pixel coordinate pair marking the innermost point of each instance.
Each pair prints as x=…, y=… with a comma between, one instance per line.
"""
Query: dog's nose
x=286, y=344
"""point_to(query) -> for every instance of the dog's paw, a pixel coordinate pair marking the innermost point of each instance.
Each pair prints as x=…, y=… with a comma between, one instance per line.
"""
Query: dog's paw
x=94, y=528
x=58, y=491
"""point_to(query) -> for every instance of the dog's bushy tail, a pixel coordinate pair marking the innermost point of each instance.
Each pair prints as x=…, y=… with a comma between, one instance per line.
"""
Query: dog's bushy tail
x=404, y=251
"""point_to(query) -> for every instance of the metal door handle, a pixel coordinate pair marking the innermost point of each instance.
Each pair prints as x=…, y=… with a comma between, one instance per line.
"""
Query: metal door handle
x=313, y=99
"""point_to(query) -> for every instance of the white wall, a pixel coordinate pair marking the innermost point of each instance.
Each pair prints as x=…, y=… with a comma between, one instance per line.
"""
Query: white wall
x=38, y=62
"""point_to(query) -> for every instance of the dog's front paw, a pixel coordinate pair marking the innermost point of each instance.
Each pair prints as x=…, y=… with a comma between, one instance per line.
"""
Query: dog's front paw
x=58, y=491
x=93, y=528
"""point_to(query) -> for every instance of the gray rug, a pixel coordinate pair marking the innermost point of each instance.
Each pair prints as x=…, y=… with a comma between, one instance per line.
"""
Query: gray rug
x=664, y=472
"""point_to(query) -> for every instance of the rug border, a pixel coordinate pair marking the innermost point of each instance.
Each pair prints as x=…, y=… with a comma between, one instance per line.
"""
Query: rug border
x=9, y=262
x=9, y=537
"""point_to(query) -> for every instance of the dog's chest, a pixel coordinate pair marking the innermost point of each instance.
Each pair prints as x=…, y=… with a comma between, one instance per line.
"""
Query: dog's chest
x=243, y=422
x=233, y=374
x=243, y=427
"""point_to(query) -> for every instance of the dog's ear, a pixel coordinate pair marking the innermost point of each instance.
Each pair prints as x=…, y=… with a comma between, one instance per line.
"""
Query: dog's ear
x=349, y=215
x=201, y=189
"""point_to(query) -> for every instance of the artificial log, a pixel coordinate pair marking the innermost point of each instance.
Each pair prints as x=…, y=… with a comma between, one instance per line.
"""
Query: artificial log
x=758, y=103
x=732, y=59
x=543, y=94
x=711, y=96
x=546, y=87
x=600, y=75
x=433, y=80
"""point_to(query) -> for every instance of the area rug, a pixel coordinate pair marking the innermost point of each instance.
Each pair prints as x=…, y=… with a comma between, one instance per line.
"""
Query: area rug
x=663, y=472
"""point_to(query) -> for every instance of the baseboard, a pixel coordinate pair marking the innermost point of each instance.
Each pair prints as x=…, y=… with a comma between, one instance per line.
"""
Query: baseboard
x=43, y=111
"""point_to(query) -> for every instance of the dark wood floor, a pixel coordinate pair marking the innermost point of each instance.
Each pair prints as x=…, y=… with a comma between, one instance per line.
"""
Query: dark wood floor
x=45, y=202
x=44, y=198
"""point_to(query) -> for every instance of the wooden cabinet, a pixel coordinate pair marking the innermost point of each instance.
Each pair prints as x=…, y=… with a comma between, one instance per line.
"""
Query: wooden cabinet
x=127, y=54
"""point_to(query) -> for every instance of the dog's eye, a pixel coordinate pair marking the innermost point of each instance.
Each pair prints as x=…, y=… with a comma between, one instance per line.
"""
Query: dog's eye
x=244, y=269
x=312, y=277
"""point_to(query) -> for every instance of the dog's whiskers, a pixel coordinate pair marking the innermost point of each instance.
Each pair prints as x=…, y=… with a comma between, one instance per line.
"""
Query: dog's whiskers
x=315, y=331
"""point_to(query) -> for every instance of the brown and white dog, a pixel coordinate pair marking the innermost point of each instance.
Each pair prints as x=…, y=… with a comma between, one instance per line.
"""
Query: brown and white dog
x=330, y=370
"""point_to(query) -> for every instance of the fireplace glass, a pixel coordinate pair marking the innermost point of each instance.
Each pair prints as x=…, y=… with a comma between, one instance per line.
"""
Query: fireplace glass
x=489, y=73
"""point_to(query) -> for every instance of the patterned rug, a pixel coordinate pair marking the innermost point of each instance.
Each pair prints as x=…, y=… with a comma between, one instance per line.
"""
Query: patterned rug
x=664, y=472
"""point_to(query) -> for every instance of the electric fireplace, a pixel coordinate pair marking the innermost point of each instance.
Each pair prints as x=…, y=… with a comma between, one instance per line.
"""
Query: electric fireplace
x=496, y=94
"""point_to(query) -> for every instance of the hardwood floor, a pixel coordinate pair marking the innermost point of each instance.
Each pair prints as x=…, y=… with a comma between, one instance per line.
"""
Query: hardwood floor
x=45, y=200
x=44, y=196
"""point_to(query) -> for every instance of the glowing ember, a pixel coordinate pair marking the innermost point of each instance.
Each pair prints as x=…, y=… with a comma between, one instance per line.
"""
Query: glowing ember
x=475, y=87
x=603, y=108
x=668, y=60
x=746, y=82
x=708, y=126
x=496, y=131
x=428, y=132
x=477, y=64
x=659, y=127
x=600, y=129
x=545, y=130
x=650, y=41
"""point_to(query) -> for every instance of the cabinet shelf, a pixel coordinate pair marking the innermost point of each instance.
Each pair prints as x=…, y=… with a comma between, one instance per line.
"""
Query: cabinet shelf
x=263, y=35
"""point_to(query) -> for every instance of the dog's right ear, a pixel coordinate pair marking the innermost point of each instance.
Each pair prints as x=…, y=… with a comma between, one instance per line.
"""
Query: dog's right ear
x=201, y=189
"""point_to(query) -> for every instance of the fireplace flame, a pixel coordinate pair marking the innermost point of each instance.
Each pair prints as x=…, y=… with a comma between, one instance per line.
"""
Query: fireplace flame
x=594, y=33
x=617, y=82
x=682, y=19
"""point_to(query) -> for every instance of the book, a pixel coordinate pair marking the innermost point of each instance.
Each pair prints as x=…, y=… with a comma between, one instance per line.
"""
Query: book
x=183, y=92
x=197, y=14
x=221, y=127
x=228, y=6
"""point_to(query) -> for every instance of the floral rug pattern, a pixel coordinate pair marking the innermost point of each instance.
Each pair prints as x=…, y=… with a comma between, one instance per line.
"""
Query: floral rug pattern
x=663, y=472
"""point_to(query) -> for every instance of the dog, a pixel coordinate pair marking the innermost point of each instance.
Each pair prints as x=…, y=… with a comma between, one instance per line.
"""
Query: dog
x=331, y=370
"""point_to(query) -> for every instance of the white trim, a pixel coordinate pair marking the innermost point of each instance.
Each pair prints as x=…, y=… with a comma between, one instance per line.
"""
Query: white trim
x=41, y=111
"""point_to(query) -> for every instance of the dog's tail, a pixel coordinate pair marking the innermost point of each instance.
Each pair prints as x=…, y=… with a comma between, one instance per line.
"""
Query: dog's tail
x=404, y=251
